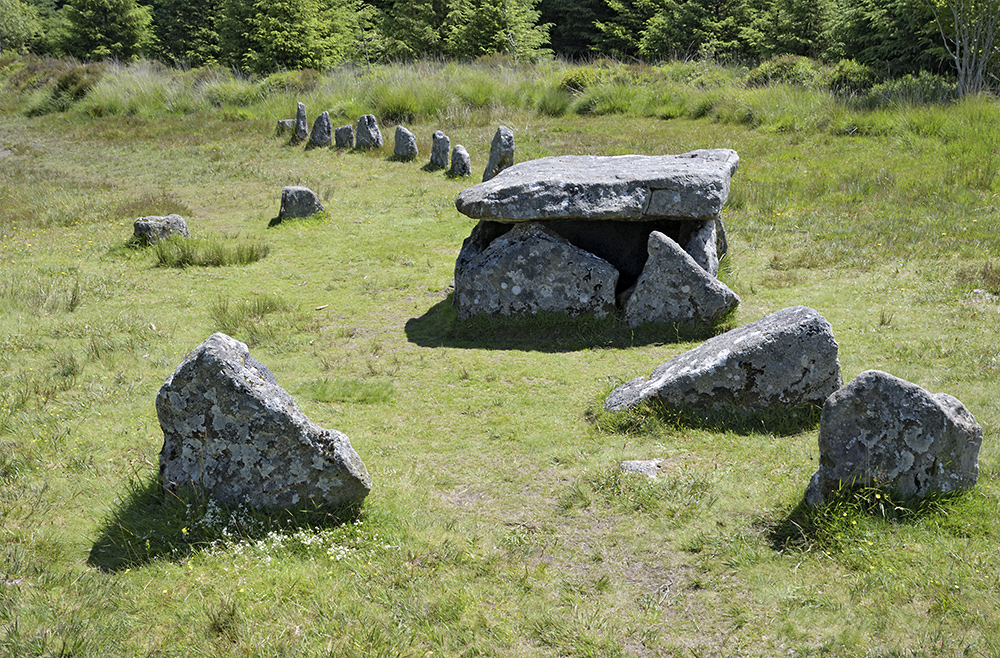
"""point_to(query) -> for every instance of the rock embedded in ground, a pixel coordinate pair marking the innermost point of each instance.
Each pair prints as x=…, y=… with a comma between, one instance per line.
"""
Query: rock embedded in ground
x=651, y=468
x=693, y=185
x=232, y=432
x=461, y=165
x=285, y=126
x=301, y=124
x=405, y=145
x=367, y=135
x=530, y=269
x=152, y=229
x=297, y=201
x=322, y=131
x=784, y=360
x=344, y=137
x=886, y=432
x=440, y=147
x=501, y=153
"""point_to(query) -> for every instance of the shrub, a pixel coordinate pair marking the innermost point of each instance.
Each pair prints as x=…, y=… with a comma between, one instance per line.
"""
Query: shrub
x=580, y=79
x=921, y=89
x=850, y=78
x=790, y=69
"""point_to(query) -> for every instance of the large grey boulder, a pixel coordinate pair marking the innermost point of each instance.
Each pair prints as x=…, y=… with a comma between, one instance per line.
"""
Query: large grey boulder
x=501, y=153
x=297, y=201
x=367, y=135
x=440, y=147
x=783, y=360
x=693, y=185
x=152, y=229
x=344, y=137
x=405, y=145
x=883, y=431
x=322, y=131
x=530, y=269
x=301, y=124
x=673, y=287
x=461, y=165
x=229, y=430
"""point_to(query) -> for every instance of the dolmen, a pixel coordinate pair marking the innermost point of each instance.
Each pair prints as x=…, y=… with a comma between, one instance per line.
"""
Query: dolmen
x=230, y=431
x=635, y=234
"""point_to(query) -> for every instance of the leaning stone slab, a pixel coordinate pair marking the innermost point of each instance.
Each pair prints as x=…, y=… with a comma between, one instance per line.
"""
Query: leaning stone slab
x=322, y=131
x=405, y=145
x=344, y=137
x=461, y=165
x=229, y=430
x=693, y=185
x=367, y=135
x=673, y=287
x=149, y=230
x=440, y=146
x=301, y=125
x=297, y=201
x=783, y=360
x=501, y=153
x=531, y=269
x=883, y=431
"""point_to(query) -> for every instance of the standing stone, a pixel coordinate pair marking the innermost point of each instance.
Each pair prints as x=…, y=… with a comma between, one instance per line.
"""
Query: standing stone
x=461, y=165
x=501, y=153
x=440, y=147
x=285, y=127
x=783, y=360
x=345, y=137
x=405, y=146
x=673, y=287
x=149, y=230
x=368, y=136
x=531, y=269
x=301, y=125
x=702, y=247
x=229, y=430
x=298, y=202
x=883, y=431
x=322, y=131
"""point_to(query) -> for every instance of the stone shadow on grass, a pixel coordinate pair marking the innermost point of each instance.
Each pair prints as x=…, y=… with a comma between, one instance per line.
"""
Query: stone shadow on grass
x=652, y=416
x=150, y=524
x=544, y=332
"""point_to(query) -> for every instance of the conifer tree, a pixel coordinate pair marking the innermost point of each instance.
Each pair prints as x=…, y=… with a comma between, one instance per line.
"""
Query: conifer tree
x=486, y=27
x=108, y=29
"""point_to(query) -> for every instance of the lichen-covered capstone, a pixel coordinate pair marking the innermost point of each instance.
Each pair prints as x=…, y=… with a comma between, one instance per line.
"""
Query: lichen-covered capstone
x=783, y=360
x=149, y=230
x=883, y=431
x=229, y=430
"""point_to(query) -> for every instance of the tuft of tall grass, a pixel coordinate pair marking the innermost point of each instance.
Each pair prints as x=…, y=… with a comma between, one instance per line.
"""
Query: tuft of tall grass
x=249, y=319
x=208, y=252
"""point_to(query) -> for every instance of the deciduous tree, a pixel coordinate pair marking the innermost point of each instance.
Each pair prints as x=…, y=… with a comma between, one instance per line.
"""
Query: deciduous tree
x=971, y=33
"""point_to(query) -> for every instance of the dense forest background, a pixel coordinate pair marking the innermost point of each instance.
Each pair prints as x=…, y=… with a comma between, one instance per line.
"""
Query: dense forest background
x=886, y=38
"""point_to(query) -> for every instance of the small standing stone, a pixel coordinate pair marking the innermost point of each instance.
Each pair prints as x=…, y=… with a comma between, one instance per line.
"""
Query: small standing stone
x=298, y=202
x=501, y=153
x=461, y=165
x=405, y=147
x=344, y=137
x=285, y=127
x=301, y=125
x=368, y=135
x=149, y=230
x=322, y=131
x=439, y=150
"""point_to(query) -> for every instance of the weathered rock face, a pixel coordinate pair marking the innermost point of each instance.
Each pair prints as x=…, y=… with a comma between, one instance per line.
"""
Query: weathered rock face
x=530, y=269
x=344, y=137
x=231, y=431
x=703, y=247
x=298, y=201
x=155, y=228
x=651, y=468
x=301, y=124
x=461, y=165
x=440, y=146
x=694, y=185
x=673, y=287
x=367, y=135
x=786, y=359
x=501, y=154
x=883, y=431
x=405, y=146
x=322, y=131
x=285, y=127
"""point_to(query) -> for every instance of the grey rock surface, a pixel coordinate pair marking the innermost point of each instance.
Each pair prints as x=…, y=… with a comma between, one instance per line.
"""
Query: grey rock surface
x=461, y=165
x=154, y=228
x=651, y=468
x=322, y=131
x=702, y=247
x=883, y=431
x=285, y=127
x=501, y=153
x=405, y=145
x=297, y=201
x=367, y=135
x=673, y=287
x=783, y=360
x=530, y=269
x=344, y=137
x=232, y=432
x=693, y=185
x=301, y=124
x=440, y=147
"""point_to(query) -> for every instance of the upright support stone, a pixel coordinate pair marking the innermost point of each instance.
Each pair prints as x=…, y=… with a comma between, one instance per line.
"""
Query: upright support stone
x=322, y=131
x=405, y=145
x=440, y=147
x=301, y=125
x=461, y=165
x=285, y=127
x=367, y=135
x=344, y=137
x=501, y=153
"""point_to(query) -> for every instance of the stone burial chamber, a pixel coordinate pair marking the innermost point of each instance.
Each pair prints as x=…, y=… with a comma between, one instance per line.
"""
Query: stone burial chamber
x=634, y=234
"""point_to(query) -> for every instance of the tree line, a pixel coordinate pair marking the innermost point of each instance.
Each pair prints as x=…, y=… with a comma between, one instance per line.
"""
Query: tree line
x=889, y=37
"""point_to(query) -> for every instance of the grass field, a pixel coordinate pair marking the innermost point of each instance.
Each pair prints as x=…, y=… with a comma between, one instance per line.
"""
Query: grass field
x=498, y=524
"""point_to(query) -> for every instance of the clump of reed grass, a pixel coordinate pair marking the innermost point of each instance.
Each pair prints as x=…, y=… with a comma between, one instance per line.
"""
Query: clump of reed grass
x=208, y=252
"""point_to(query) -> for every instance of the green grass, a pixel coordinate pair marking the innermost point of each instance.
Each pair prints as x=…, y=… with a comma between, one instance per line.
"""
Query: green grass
x=498, y=524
